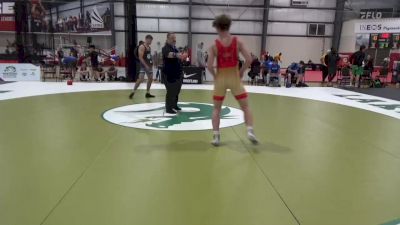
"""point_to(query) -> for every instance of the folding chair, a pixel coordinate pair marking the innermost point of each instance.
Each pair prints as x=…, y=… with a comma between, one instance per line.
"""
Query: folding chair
x=48, y=71
x=344, y=77
x=365, y=79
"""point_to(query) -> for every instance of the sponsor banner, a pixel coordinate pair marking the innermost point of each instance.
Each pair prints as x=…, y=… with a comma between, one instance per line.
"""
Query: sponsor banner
x=19, y=72
x=383, y=26
x=376, y=13
x=7, y=8
x=193, y=75
x=96, y=20
x=7, y=23
x=7, y=17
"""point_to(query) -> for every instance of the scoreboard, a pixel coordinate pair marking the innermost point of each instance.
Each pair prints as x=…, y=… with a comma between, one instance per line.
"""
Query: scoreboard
x=384, y=41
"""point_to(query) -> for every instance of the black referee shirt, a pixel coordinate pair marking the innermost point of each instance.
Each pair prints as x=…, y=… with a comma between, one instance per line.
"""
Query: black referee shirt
x=172, y=66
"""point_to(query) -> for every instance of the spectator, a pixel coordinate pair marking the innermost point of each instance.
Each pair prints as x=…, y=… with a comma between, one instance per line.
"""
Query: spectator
x=94, y=62
x=112, y=72
x=7, y=51
x=60, y=24
x=266, y=66
x=70, y=63
x=75, y=23
x=357, y=60
x=369, y=65
x=200, y=55
x=331, y=60
x=278, y=57
x=397, y=70
x=83, y=72
x=296, y=70
x=60, y=55
x=324, y=67
x=255, y=68
x=275, y=72
x=88, y=20
x=268, y=57
x=101, y=73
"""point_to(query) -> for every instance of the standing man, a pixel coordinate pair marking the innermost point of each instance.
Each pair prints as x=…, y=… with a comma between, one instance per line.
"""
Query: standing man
x=94, y=62
x=146, y=66
x=172, y=73
x=324, y=67
x=227, y=76
x=357, y=60
x=331, y=60
x=200, y=55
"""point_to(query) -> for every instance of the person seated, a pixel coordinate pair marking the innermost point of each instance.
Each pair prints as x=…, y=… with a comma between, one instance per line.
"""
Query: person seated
x=266, y=66
x=83, y=72
x=376, y=83
x=254, y=69
x=275, y=73
x=101, y=74
x=112, y=73
x=296, y=71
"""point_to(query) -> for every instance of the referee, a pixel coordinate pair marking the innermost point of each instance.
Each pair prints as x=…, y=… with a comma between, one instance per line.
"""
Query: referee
x=172, y=72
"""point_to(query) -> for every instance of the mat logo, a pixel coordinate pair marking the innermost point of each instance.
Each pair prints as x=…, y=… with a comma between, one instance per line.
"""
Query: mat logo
x=151, y=116
x=380, y=103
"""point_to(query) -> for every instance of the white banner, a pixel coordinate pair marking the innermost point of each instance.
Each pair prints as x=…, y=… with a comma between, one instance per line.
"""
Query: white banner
x=384, y=26
x=96, y=20
x=19, y=72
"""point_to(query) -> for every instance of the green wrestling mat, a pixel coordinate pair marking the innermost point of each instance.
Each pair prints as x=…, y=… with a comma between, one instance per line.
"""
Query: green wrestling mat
x=63, y=163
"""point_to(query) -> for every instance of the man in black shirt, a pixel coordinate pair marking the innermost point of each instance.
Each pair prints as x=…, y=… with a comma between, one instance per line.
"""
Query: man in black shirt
x=172, y=71
x=357, y=60
x=94, y=61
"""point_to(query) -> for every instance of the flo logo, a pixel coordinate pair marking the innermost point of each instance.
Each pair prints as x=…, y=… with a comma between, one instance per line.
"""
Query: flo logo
x=151, y=116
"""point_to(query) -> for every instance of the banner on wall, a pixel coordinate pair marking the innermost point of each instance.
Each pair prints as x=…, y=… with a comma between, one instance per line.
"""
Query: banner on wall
x=384, y=26
x=376, y=13
x=19, y=72
x=97, y=21
x=7, y=17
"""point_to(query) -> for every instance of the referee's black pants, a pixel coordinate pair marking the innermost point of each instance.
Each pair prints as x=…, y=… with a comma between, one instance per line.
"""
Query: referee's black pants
x=172, y=97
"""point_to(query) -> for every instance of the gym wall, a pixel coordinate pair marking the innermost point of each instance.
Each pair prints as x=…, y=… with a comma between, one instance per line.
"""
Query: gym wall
x=295, y=49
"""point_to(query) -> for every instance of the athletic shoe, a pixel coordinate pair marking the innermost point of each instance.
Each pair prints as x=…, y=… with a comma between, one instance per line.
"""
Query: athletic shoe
x=252, y=137
x=148, y=95
x=171, y=112
x=299, y=85
x=288, y=85
x=177, y=108
x=131, y=95
x=216, y=140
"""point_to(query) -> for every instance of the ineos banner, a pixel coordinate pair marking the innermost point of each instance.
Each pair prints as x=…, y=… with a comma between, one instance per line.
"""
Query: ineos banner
x=384, y=26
